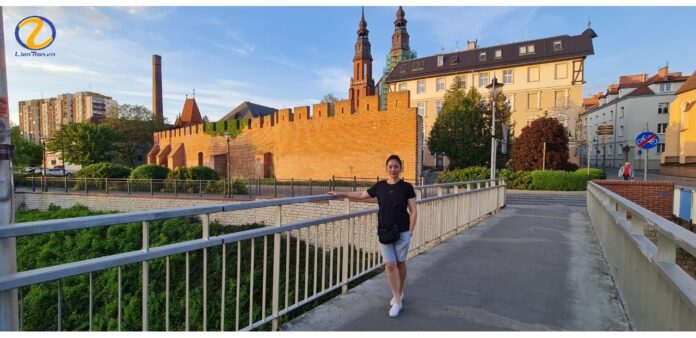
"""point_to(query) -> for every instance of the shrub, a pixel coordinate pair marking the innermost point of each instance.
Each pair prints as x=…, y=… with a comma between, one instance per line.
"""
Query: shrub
x=463, y=175
x=180, y=173
x=150, y=171
x=558, y=180
x=238, y=187
x=521, y=180
x=104, y=170
x=203, y=173
x=595, y=173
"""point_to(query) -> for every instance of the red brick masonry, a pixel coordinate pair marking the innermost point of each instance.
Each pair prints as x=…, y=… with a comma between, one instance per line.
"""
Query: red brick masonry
x=655, y=196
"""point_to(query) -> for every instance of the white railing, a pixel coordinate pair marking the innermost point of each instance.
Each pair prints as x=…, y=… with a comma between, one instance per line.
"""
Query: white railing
x=657, y=293
x=307, y=260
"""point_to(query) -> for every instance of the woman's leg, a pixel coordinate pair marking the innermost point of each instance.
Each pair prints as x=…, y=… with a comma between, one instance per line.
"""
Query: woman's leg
x=394, y=280
x=401, y=266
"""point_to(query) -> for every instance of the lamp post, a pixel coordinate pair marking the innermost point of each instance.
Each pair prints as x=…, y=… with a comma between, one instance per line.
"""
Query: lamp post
x=495, y=88
x=229, y=182
x=43, y=170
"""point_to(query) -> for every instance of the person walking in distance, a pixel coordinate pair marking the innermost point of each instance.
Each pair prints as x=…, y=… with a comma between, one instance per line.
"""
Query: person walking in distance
x=626, y=171
x=396, y=221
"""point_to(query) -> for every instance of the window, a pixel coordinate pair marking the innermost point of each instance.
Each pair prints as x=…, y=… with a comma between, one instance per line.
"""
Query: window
x=557, y=45
x=420, y=87
x=611, y=114
x=562, y=118
x=402, y=86
x=665, y=87
x=663, y=108
x=510, y=101
x=482, y=56
x=532, y=100
x=660, y=148
x=498, y=53
x=619, y=149
x=421, y=108
x=440, y=84
x=530, y=49
x=621, y=112
x=440, y=60
x=483, y=79
x=438, y=107
x=526, y=49
x=533, y=74
x=561, y=71
x=559, y=98
x=531, y=119
x=621, y=131
x=661, y=128
x=507, y=76
x=462, y=81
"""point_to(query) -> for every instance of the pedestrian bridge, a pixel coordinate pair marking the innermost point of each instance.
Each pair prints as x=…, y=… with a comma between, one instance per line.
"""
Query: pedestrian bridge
x=475, y=264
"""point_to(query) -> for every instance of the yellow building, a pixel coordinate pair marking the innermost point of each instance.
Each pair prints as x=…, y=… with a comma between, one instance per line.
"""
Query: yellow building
x=543, y=76
x=679, y=158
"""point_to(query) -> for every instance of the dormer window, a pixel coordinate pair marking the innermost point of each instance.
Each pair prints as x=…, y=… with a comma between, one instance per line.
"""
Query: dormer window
x=557, y=45
x=498, y=53
x=440, y=60
x=665, y=87
x=526, y=49
x=482, y=56
x=454, y=59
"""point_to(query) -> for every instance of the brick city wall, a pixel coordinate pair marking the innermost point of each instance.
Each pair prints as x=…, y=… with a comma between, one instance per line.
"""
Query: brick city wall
x=656, y=196
x=301, y=145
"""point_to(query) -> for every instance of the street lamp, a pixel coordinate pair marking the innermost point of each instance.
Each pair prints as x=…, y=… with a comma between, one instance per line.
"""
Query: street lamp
x=495, y=88
x=43, y=170
x=227, y=137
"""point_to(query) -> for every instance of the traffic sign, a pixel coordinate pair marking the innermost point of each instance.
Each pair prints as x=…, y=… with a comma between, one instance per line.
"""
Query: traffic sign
x=647, y=140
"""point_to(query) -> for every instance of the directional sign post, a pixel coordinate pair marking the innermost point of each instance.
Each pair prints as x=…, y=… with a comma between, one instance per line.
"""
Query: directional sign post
x=647, y=140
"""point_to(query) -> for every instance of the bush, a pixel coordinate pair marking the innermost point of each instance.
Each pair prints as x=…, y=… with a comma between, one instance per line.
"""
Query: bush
x=203, y=173
x=595, y=173
x=150, y=171
x=558, y=180
x=521, y=180
x=104, y=170
x=463, y=175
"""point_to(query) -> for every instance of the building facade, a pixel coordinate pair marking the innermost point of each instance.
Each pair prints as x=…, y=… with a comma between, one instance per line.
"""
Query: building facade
x=41, y=118
x=679, y=157
x=540, y=77
x=636, y=104
x=349, y=138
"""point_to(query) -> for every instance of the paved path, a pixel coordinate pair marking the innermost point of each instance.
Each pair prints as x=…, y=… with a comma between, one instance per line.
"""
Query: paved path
x=546, y=198
x=526, y=268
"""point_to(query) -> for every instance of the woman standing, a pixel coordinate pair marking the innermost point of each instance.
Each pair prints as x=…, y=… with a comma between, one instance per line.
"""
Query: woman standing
x=395, y=225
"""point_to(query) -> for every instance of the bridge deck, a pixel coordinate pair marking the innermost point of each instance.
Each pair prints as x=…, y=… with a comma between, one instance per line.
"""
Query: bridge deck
x=525, y=268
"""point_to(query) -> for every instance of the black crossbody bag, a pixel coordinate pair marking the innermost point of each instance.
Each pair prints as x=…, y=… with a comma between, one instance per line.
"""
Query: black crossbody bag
x=388, y=234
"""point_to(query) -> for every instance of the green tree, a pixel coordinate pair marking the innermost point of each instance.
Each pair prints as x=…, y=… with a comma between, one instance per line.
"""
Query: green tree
x=463, y=127
x=134, y=126
x=527, y=153
x=331, y=100
x=26, y=153
x=83, y=143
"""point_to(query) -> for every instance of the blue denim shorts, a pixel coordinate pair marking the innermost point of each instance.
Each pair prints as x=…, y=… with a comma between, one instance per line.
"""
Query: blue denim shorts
x=397, y=251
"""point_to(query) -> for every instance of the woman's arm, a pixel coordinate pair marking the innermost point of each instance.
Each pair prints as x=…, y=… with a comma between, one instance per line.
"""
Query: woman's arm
x=412, y=215
x=358, y=195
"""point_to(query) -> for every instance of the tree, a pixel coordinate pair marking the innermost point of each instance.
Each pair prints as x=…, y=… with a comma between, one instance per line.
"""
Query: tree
x=134, y=126
x=462, y=130
x=83, y=143
x=26, y=153
x=527, y=153
x=331, y=100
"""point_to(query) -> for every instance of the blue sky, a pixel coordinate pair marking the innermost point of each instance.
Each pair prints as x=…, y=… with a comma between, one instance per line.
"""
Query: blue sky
x=290, y=56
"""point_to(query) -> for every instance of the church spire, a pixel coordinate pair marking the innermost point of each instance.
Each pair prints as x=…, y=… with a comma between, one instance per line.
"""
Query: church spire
x=361, y=84
x=400, y=45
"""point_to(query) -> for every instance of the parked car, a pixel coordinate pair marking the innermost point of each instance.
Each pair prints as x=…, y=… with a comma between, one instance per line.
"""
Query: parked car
x=58, y=172
x=30, y=170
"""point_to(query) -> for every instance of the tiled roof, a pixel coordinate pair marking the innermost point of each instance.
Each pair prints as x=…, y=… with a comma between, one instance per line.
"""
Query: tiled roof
x=247, y=110
x=189, y=115
x=690, y=84
x=458, y=62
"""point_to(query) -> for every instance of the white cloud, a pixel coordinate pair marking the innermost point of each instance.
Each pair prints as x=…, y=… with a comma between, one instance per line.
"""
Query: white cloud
x=50, y=67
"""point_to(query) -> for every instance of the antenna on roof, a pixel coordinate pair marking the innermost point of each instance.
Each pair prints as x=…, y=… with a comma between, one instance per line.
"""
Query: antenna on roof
x=442, y=50
x=194, y=93
x=589, y=22
x=187, y=96
x=457, y=46
x=667, y=64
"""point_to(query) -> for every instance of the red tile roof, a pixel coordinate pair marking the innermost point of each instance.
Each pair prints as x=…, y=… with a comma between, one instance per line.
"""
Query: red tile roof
x=690, y=84
x=190, y=115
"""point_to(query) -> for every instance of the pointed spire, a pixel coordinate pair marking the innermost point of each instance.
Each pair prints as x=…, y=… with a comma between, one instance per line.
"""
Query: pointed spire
x=362, y=26
x=400, y=21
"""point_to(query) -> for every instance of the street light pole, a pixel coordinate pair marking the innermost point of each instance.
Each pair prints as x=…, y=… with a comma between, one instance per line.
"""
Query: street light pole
x=229, y=181
x=43, y=170
x=495, y=88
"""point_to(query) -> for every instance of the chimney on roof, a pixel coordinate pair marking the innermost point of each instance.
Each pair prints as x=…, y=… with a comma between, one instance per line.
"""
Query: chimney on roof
x=157, y=114
x=663, y=72
x=471, y=44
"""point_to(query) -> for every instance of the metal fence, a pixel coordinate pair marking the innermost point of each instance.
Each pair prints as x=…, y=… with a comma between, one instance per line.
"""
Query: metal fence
x=657, y=293
x=290, y=264
x=251, y=188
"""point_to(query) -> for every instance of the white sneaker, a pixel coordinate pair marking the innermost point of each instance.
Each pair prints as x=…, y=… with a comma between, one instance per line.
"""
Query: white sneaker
x=391, y=301
x=395, y=309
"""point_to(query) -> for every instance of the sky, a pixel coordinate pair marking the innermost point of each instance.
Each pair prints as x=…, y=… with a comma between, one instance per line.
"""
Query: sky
x=293, y=56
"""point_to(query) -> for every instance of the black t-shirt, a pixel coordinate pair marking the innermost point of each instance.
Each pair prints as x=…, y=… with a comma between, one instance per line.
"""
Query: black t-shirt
x=393, y=203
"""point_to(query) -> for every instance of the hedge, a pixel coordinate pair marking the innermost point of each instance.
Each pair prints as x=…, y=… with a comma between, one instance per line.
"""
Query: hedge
x=557, y=180
x=149, y=171
x=104, y=170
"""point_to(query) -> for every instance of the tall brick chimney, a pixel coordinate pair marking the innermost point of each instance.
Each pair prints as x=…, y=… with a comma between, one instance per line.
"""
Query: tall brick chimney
x=157, y=88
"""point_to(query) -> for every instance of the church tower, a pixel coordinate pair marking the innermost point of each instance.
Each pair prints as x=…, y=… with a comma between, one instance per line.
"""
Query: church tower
x=361, y=84
x=400, y=44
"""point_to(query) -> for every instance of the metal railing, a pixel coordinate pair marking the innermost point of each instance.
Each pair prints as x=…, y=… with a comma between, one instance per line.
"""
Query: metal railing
x=657, y=293
x=310, y=259
x=251, y=188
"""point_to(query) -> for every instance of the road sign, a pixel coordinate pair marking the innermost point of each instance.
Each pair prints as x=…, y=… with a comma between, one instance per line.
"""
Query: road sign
x=605, y=129
x=647, y=140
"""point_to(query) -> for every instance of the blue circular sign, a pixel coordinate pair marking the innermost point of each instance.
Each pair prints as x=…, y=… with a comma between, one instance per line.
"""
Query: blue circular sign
x=647, y=140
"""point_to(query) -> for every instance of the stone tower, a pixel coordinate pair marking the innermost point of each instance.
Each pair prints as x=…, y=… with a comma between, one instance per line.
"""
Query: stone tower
x=361, y=84
x=157, y=114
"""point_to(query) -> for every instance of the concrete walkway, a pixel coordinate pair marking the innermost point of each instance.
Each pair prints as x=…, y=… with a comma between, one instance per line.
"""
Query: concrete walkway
x=526, y=268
